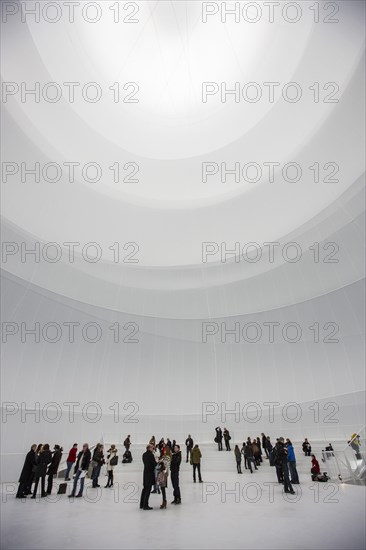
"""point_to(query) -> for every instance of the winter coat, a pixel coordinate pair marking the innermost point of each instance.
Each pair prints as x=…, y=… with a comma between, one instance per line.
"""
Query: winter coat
x=315, y=466
x=248, y=451
x=281, y=454
x=291, y=453
x=255, y=449
x=98, y=457
x=27, y=470
x=149, y=468
x=237, y=455
x=218, y=434
x=175, y=463
x=85, y=460
x=189, y=443
x=196, y=455
x=109, y=465
x=53, y=467
x=44, y=459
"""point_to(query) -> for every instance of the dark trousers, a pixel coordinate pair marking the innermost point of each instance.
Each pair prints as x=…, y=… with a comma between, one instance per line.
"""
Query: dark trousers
x=68, y=469
x=279, y=473
x=266, y=451
x=110, y=478
x=198, y=468
x=175, y=483
x=246, y=462
x=189, y=450
x=22, y=490
x=82, y=481
x=219, y=443
x=95, y=474
x=145, y=493
x=293, y=472
x=286, y=477
x=50, y=484
x=43, y=483
x=238, y=466
x=251, y=461
x=163, y=493
x=227, y=444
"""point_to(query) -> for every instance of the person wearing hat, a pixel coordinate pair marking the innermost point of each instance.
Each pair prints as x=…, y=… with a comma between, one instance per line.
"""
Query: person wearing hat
x=53, y=467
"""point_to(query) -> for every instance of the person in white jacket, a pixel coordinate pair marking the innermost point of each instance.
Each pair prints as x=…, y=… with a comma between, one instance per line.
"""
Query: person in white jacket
x=112, y=461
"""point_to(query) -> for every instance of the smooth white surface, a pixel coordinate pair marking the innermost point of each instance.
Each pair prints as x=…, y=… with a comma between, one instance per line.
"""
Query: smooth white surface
x=113, y=520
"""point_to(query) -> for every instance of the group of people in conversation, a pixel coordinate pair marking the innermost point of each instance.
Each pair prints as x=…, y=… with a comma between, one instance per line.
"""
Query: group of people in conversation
x=161, y=462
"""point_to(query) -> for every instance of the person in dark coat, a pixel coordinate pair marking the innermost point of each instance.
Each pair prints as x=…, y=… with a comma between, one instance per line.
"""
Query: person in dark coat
x=189, y=447
x=127, y=457
x=26, y=475
x=81, y=469
x=97, y=463
x=264, y=444
x=249, y=455
x=127, y=443
x=149, y=477
x=227, y=438
x=174, y=474
x=282, y=458
x=218, y=437
x=53, y=467
x=41, y=470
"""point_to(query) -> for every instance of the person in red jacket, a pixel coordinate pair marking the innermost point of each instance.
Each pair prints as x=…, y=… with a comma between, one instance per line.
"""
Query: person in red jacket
x=71, y=460
x=315, y=468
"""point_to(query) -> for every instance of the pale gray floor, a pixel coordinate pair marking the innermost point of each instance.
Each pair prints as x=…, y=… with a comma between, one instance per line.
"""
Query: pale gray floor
x=334, y=518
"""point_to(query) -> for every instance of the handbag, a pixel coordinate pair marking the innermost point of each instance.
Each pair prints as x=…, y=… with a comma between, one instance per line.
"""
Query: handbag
x=114, y=460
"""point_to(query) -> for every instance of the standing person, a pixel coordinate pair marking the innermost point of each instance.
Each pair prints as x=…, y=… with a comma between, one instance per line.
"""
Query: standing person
x=227, y=438
x=45, y=458
x=112, y=461
x=71, y=459
x=81, y=469
x=256, y=455
x=189, y=447
x=244, y=455
x=292, y=462
x=306, y=447
x=196, y=456
x=264, y=444
x=157, y=455
x=168, y=443
x=238, y=459
x=162, y=482
x=127, y=443
x=259, y=449
x=250, y=456
x=53, y=467
x=97, y=463
x=269, y=446
x=148, y=478
x=218, y=438
x=277, y=461
x=283, y=458
x=26, y=475
x=152, y=442
x=174, y=468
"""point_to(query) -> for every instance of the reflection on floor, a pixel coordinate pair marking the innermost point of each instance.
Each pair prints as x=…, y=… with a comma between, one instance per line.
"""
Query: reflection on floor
x=228, y=510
